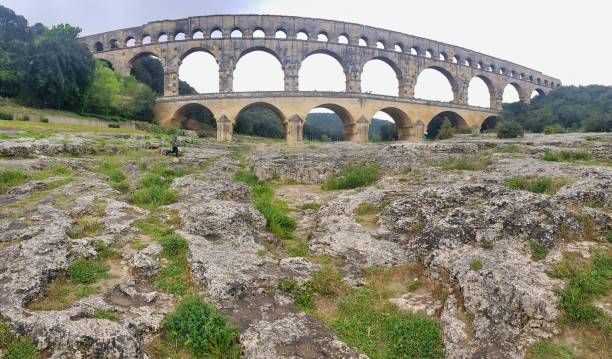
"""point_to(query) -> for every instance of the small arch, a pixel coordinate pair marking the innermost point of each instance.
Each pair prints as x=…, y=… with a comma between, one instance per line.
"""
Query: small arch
x=146, y=39
x=468, y=62
x=479, y=65
x=538, y=80
x=180, y=36
x=343, y=39
x=490, y=68
x=363, y=41
x=414, y=51
x=537, y=92
x=236, y=33
x=522, y=76
x=399, y=47
x=302, y=35
x=162, y=37
x=130, y=41
x=545, y=82
x=380, y=44
x=114, y=44
x=280, y=34
x=342, y=118
x=98, y=47
x=322, y=37
x=512, y=73
x=434, y=125
x=107, y=63
x=530, y=78
x=197, y=34
x=489, y=124
x=403, y=124
x=428, y=54
x=259, y=33
x=216, y=34
x=195, y=117
x=442, y=56
x=261, y=119
x=502, y=70
x=456, y=59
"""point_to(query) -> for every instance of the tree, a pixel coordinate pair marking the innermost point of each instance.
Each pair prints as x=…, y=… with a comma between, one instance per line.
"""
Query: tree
x=446, y=130
x=509, y=129
x=14, y=39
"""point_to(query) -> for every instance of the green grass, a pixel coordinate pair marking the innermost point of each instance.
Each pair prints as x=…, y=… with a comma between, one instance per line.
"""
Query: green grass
x=546, y=185
x=353, y=177
x=112, y=168
x=566, y=156
x=382, y=332
x=35, y=126
x=538, y=250
x=275, y=211
x=476, y=264
x=87, y=271
x=414, y=285
x=155, y=188
x=473, y=163
x=544, y=350
x=508, y=149
x=584, y=284
x=366, y=208
x=84, y=227
x=15, y=348
x=62, y=292
x=10, y=178
x=105, y=314
x=311, y=205
x=200, y=328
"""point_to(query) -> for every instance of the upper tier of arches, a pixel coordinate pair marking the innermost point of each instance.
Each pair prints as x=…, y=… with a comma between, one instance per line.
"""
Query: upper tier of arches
x=288, y=28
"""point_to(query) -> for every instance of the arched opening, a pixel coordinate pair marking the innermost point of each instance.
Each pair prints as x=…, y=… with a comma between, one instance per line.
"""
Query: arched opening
x=343, y=39
x=390, y=124
x=98, y=47
x=195, y=117
x=380, y=44
x=456, y=59
x=468, y=62
x=328, y=122
x=511, y=93
x=302, y=35
x=130, y=42
x=363, y=41
x=199, y=69
x=107, y=63
x=489, y=124
x=322, y=37
x=261, y=120
x=379, y=77
x=479, y=65
x=399, y=48
x=479, y=92
x=258, y=70
x=280, y=34
x=180, y=36
x=114, y=44
x=146, y=40
x=458, y=123
x=147, y=69
x=236, y=33
x=322, y=72
x=259, y=34
x=414, y=51
x=435, y=84
x=198, y=34
x=536, y=93
x=216, y=34
x=428, y=54
x=163, y=37
x=442, y=57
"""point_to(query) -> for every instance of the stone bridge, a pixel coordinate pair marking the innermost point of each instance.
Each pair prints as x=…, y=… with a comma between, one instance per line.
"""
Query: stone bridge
x=291, y=40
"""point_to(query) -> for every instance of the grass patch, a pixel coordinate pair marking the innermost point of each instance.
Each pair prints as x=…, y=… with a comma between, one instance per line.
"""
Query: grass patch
x=105, y=314
x=202, y=330
x=86, y=271
x=15, y=347
x=544, y=350
x=473, y=163
x=311, y=206
x=476, y=264
x=414, y=285
x=62, y=292
x=353, y=177
x=566, y=156
x=367, y=208
x=508, y=149
x=538, y=250
x=11, y=178
x=275, y=211
x=84, y=227
x=112, y=168
x=155, y=189
x=546, y=185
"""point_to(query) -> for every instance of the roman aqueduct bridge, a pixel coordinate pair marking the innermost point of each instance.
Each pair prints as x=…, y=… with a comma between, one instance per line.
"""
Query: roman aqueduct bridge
x=291, y=40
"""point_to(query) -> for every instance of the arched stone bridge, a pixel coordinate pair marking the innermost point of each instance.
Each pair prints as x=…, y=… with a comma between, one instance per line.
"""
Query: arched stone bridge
x=291, y=40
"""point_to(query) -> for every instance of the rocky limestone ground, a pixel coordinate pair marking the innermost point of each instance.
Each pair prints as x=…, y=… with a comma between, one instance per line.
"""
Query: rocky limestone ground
x=445, y=237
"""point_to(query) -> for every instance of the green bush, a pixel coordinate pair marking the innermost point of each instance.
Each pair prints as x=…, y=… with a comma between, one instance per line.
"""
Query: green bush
x=22, y=348
x=566, y=156
x=84, y=271
x=545, y=185
x=509, y=129
x=353, y=177
x=155, y=188
x=476, y=264
x=202, y=330
x=44, y=120
x=114, y=125
x=6, y=116
x=173, y=245
x=311, y=205
x=538, y=250
x=544, y=350
x=446, y=131
x=554, y=128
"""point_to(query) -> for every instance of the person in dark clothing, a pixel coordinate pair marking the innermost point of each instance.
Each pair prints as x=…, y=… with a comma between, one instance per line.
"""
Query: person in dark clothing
x=175, y=149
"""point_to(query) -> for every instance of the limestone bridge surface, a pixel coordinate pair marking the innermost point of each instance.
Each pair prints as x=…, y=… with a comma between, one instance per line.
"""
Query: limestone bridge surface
x=293, y=39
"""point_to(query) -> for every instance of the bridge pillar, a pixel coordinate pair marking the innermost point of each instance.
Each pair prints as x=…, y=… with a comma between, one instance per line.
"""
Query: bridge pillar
x=291, y=68
x=295, y=130
x=353, y=79
x=360, y=131
x=406, y=88
x=226, y=74
x=461, y=93
x=225, y=129
x=171, y=82
x=497, y=100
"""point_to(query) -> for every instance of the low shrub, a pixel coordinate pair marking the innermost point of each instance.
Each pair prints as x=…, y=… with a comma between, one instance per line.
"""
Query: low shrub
x=476, y=264
x=552, y=129
x=200, y=328
x=11, y=178
x=44, y=120
x=22, y=348
x=112, y=168
x=84, y=228
x=311, y=206
x=353, y=177
x=105, y=314
x=24, y=118
x=155, y=188
x=538, y=250
x=566, y=156
x=509, y=130
x=544, y=350
x=6, y=116
x=545, y=185
x=85, y=271
x=114, y=125
x=446, y=130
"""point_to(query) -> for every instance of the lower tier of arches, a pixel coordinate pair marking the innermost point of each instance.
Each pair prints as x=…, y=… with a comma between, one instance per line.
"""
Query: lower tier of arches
x=411, y=118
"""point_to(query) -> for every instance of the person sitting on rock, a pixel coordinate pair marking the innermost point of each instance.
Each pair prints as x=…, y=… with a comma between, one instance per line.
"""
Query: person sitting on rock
x=175, y=149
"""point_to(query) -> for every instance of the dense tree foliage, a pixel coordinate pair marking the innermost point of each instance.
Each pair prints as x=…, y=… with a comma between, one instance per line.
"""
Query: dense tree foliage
x=260, y=121
x=149, y=71
x=586, y=108
x=509, y=129
x=15, y=35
